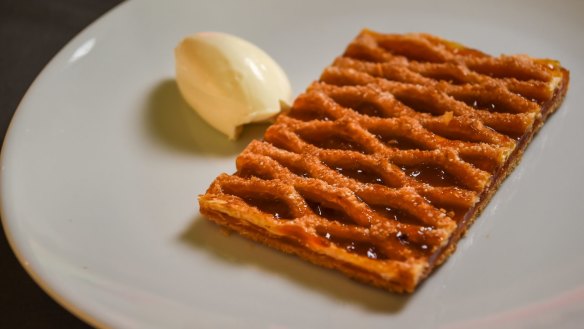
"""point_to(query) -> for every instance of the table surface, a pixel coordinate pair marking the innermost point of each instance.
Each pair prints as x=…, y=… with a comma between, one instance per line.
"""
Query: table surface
x=31, y=33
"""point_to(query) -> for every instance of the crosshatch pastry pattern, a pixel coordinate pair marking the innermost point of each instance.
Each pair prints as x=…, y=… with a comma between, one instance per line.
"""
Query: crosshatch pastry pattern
x=379, y=167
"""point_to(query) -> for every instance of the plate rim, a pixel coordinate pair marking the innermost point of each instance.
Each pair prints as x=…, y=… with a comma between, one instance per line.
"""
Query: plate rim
x=32, y=269
x=63, y=299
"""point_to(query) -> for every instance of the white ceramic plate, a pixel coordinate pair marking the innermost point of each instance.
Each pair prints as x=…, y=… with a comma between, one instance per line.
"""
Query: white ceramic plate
x=103, y=163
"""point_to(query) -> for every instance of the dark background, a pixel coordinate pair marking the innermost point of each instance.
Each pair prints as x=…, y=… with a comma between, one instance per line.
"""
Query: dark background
x=31, y=33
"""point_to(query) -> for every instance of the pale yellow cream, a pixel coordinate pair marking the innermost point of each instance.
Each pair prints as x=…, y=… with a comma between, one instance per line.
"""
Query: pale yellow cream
x=228, y=81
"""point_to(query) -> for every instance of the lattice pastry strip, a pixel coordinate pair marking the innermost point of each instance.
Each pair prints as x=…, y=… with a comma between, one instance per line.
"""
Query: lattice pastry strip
x=361, y=224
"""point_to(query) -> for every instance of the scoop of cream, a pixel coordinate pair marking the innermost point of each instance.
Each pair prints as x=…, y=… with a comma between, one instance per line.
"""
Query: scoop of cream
x=229, y=81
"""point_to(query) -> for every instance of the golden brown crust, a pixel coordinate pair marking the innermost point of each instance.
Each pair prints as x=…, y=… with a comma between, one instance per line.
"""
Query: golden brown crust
x=380, y=167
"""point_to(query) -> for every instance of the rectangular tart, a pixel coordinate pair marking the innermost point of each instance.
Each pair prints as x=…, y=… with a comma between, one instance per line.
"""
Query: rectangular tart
x=380, y=166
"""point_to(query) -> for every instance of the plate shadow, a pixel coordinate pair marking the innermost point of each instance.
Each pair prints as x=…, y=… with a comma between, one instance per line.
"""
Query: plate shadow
x=232, y=248
x=170, y=122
